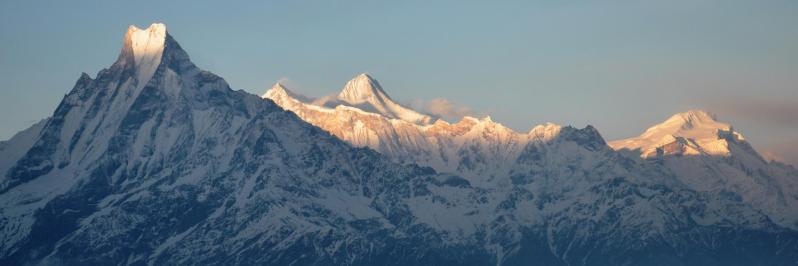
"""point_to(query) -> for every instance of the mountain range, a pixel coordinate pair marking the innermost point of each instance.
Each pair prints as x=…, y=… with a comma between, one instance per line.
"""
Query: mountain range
x=703, y=153
x=155, y=161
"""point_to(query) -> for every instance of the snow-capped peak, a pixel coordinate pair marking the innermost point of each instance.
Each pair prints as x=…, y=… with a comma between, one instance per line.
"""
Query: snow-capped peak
x=186, y=155
x=277, y=90
x=362, y=89
x=691, y=132
x=694, y=124
x=279, y=94
x=146, y=48
x=545, y=132
x=362, y=92
x=693, y=119
x=365, y=92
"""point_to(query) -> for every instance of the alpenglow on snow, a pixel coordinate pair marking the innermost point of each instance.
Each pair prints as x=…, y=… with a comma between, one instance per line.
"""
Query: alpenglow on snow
x=155, y=161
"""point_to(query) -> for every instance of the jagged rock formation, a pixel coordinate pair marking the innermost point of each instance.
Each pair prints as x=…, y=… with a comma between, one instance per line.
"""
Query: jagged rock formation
x=155, y=161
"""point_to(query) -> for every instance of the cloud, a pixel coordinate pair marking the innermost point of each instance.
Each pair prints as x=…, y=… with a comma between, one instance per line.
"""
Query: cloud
x=774, y=112
x=787, y=152
x=771, y=117
x=442, y=108
x=284, y=80
x=772, y=156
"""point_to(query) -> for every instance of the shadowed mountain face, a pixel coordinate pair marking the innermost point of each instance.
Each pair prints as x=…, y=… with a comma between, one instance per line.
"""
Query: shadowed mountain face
x=155, y=161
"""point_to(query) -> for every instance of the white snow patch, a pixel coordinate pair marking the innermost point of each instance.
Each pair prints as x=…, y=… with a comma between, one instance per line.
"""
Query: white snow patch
x=147, y=46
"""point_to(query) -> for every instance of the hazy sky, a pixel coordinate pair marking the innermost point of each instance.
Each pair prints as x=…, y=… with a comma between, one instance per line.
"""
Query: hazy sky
x=618, y=65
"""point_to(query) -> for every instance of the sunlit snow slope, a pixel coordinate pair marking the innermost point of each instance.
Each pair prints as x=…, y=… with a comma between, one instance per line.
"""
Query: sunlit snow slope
x=157, y=162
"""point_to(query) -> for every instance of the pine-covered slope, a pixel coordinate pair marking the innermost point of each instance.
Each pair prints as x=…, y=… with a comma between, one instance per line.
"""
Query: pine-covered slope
x=155, y=161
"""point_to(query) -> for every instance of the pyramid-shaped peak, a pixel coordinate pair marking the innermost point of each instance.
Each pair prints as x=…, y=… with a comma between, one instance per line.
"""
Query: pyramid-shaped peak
x=362, y=88
x=365, y=93
x=365, y=77
x=279, y=86
x=282, y=93
x=689, y=123
x=277, y=89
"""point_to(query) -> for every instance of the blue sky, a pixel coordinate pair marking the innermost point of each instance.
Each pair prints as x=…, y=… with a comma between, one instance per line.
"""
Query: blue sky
x=618, y=65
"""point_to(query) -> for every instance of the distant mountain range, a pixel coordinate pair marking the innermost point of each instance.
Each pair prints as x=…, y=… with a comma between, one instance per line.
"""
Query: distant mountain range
x=704, y=154
x=155, y=161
